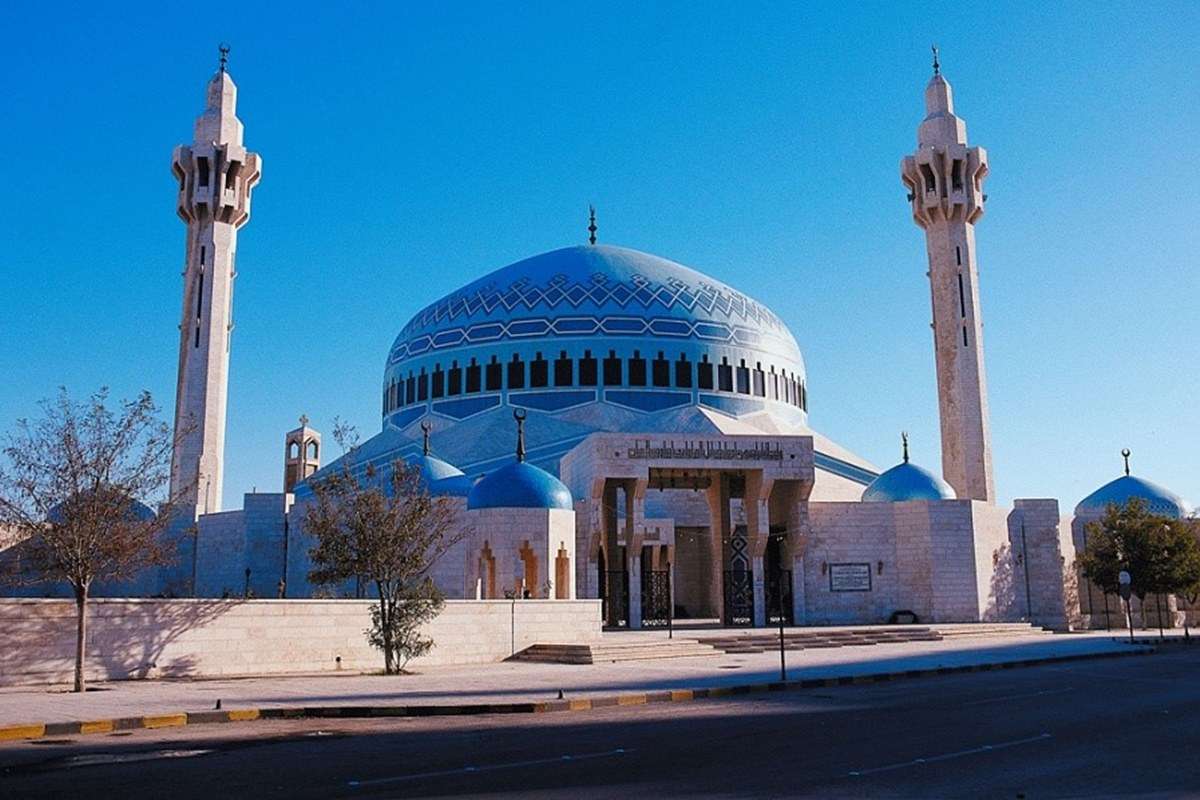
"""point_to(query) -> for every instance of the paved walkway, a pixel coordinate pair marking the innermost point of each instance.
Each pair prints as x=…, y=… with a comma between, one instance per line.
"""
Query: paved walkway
x=526, y=682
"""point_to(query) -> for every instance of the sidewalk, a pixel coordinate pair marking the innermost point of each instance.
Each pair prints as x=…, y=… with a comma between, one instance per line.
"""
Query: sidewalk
x=529, y=683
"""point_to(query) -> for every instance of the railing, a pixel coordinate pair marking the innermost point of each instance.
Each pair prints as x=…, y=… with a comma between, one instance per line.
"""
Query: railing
x=656, y=598
x=614, y=594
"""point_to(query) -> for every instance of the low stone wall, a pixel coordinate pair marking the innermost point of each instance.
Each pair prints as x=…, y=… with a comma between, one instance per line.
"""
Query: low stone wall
x=209, y=638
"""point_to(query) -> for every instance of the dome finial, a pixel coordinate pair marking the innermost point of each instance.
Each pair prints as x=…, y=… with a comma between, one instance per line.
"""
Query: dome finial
x=224, y=51
x=592, y=224
x=425, y=429
x=1125, y=454
x=519, y=415
x=937, y=67
x=904, y=443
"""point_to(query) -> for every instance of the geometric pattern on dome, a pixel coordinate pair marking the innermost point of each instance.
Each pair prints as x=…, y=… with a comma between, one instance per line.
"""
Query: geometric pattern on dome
x=617, y=325
x=599, y=289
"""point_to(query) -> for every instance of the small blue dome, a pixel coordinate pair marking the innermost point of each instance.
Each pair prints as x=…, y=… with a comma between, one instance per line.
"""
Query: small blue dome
x=520, y=485
x=137, y=510
x=1158, y=500
x=442, y=479
x=907, y=481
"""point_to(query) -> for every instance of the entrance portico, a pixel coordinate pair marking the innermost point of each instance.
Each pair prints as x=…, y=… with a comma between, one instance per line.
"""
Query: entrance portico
x=727, y=506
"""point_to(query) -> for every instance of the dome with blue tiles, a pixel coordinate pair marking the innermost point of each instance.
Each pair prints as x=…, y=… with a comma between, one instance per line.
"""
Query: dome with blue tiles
x=136, y=509
x=1158, y=499
x=596, y=291
x=593, y=338
x=906, y=481
x=441, y=478
x=520, y=484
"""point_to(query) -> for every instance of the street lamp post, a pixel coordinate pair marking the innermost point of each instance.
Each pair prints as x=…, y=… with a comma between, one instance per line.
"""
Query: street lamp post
x=1125, y=580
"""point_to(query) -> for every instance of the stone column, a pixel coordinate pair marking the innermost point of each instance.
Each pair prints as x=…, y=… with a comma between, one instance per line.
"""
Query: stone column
x=719, y=525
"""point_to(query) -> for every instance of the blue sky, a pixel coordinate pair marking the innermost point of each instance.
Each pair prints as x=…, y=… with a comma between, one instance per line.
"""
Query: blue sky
x=410, y=148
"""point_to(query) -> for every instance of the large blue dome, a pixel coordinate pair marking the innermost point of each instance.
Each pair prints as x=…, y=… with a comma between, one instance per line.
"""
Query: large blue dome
x=520, y=485
x=907, y=481
x=596, y=290
x=549, y=332
x=1119, y=492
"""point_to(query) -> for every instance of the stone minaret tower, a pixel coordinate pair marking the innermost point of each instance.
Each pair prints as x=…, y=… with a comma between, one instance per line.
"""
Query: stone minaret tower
x=302, y=454
x=216, y=175
x=945, y=183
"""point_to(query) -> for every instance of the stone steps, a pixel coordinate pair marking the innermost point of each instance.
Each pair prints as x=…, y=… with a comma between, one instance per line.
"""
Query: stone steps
x=814, y=640
x=609, y=652
x=990, y=629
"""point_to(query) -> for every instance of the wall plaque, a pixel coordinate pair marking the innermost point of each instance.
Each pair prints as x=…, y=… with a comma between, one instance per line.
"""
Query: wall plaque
x=849, y=577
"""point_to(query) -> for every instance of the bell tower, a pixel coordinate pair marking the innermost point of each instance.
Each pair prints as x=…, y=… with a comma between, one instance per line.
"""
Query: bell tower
x=216, y=175
x=302, y=454
x=945, y=188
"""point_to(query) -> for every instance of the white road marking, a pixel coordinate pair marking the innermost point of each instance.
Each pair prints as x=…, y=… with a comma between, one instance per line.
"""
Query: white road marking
x=916, y=762
x=123, y=758
x=620, y=751
x=1042, y=693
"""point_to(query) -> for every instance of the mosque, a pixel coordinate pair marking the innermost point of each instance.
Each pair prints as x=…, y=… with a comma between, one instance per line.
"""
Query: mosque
x=608, y=423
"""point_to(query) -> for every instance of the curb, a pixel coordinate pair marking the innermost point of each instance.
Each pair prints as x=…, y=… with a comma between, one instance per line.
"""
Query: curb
x=40, y=730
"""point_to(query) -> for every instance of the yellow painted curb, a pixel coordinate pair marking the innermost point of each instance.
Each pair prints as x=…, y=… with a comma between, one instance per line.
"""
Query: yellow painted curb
x=631, y=700
x=164, y=721
x=682, y=694
x=581, y=705
x=243, y=714
x=96, y=726
x=12, y=732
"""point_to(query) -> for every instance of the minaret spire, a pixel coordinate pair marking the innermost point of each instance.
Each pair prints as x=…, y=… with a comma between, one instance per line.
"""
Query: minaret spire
x=223, y=49
x=519, y=415
x=592, y=224
x=216, y=175
x=1125, y=454
x=904, y=444
x=944, y=177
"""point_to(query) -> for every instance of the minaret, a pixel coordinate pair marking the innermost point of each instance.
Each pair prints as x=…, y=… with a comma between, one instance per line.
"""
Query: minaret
x=945, y=183
x=216, y=175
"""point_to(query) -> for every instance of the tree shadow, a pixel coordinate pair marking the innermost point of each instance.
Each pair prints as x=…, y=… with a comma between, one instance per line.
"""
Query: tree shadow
x=127, y=639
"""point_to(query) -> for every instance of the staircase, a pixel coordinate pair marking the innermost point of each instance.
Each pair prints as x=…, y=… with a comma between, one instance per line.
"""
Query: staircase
x=989, y=630
x=609, y=652
x=819, y=639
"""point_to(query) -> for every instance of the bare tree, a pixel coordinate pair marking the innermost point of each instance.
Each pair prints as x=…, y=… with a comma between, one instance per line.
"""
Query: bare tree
x=72, y=491
x=388, y=530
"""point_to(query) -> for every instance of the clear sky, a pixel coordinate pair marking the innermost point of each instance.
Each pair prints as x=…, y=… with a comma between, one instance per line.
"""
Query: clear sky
x=408, y=149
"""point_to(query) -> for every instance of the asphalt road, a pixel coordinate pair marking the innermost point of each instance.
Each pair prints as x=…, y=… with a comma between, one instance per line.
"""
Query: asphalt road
x=1117, y=727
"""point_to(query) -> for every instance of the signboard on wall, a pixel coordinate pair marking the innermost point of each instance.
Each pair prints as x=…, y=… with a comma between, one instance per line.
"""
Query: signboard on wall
x=849, y=577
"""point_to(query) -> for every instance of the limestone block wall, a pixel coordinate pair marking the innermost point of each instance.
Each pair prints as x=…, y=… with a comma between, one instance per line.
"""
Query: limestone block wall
x=266, y=528
x=851, y=533
x=1044, y=559
x=940, y=534
x=999, y=578
x=210, y=638
x=945, y=561
x=523, y=545
x=221, y=554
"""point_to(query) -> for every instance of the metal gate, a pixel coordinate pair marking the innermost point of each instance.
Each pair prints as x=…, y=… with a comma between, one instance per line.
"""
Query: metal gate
x=656, y=598
x=739, y=597
x=778, y=597
x=614, y=596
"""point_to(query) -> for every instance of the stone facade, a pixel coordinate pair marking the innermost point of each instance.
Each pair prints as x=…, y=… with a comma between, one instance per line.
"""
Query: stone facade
x=225, y=638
